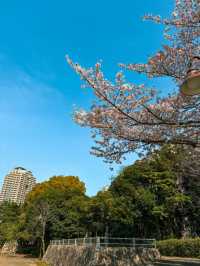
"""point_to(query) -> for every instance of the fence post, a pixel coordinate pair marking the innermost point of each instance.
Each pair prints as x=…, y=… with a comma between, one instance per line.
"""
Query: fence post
x=98, y=244
x=155, y=243
x=133, y=242
x=75, y=242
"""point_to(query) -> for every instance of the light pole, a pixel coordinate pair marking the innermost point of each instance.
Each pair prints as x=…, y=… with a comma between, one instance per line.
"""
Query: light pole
x=191, y=85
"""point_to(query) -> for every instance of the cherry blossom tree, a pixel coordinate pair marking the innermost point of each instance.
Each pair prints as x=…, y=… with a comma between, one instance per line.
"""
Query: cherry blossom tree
x=132, y=118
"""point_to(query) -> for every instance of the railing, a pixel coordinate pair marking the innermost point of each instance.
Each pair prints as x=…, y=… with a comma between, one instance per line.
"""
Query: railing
x=107, y=242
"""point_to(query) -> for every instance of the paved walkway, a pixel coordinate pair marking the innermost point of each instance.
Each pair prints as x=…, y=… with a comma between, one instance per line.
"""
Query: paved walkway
x=16, y=261
x=182, y=259
x=175, y=261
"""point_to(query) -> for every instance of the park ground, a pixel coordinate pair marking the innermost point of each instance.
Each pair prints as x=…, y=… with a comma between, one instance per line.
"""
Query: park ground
x=165, y=261
x=17, y=261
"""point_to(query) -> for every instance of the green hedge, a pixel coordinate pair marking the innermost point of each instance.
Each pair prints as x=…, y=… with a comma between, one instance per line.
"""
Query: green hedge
x=180, y=247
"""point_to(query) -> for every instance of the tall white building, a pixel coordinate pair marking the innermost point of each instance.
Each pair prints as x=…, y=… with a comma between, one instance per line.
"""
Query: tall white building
x=16, y=185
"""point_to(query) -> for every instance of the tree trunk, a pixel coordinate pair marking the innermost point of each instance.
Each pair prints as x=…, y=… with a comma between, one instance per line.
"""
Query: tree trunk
x=43, y=238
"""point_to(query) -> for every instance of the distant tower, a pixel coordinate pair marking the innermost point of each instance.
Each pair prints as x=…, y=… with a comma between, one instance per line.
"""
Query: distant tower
x=16, y=185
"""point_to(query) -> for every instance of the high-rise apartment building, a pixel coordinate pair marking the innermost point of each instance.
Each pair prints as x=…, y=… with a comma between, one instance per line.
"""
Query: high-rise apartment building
x=16, y=185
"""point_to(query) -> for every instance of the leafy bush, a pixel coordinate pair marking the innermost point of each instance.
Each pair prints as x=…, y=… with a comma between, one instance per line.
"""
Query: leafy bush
x=1, y=243
x=180, y=247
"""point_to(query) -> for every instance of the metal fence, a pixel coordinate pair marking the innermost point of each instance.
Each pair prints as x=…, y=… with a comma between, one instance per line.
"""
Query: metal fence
x=107, y=242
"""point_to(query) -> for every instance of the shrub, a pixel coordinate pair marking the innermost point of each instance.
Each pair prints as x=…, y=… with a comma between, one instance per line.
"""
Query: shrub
x=1, y=243
x=180, y=247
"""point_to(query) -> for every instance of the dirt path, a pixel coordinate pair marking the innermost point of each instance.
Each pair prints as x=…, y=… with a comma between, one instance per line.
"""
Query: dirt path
x=16, y=261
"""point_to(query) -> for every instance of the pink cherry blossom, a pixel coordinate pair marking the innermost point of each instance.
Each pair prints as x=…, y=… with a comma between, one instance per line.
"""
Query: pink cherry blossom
x=128, y=117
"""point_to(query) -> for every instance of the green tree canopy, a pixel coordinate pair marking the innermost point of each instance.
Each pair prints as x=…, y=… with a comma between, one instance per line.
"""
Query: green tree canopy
x=55, y=209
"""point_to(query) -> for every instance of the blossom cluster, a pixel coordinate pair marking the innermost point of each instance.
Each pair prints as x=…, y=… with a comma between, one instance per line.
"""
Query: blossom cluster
x=127, y=117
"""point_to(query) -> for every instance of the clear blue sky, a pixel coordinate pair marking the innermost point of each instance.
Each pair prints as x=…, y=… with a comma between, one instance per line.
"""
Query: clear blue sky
x=38, y=89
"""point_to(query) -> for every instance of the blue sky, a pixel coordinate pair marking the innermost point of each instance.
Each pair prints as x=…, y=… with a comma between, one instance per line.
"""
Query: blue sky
x=38, y=89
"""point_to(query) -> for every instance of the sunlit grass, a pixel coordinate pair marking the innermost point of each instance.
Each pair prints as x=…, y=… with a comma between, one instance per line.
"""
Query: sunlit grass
x=41, y=263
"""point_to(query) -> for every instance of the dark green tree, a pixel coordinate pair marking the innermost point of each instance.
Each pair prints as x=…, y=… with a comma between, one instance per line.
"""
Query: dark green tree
x=9, y=221
x=152, y=189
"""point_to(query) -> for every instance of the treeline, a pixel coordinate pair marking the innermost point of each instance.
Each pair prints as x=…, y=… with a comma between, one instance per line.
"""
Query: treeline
x=158, y=196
